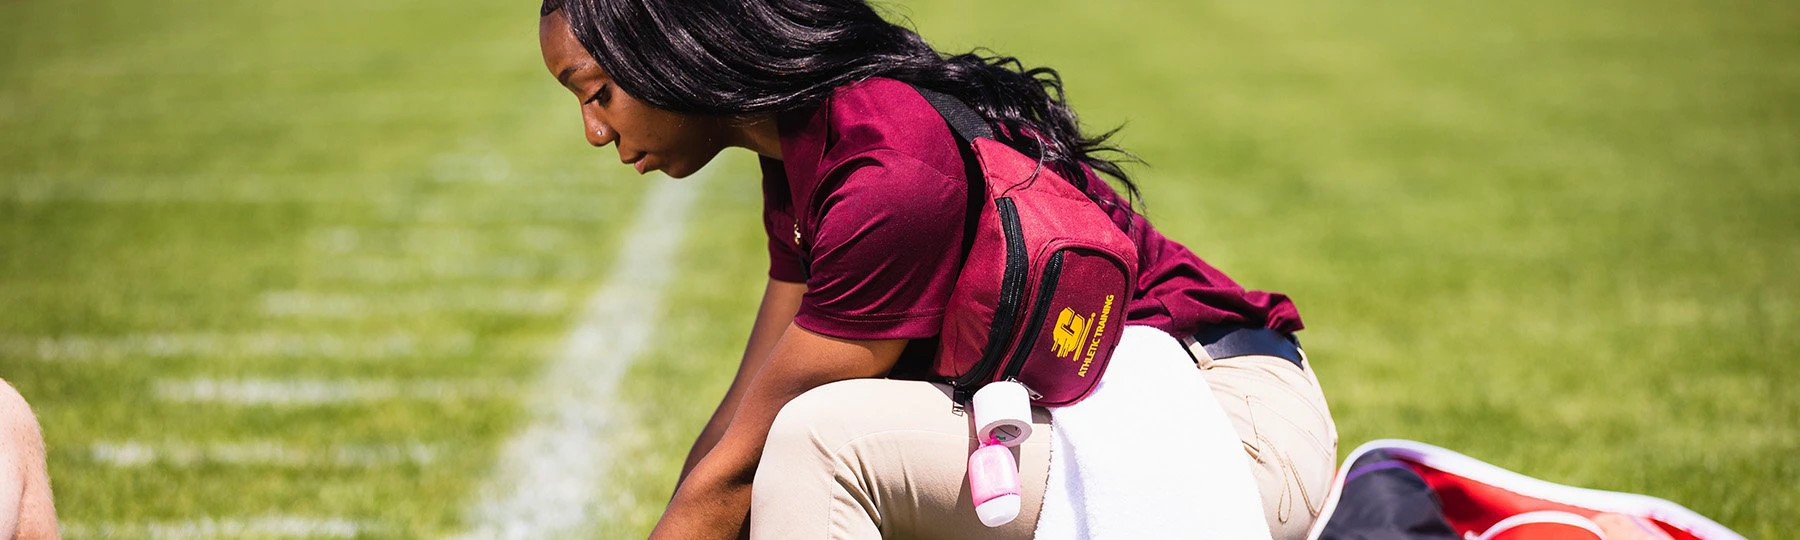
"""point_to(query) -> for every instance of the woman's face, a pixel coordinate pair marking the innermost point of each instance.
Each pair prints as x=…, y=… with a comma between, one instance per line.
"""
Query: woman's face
x=647, y=137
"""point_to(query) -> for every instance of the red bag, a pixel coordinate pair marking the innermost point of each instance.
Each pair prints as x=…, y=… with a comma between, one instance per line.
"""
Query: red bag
x=1042, y=292
x=1395, y=488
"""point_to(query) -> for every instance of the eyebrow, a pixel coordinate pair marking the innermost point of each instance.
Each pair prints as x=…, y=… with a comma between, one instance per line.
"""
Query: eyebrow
x=563, y=76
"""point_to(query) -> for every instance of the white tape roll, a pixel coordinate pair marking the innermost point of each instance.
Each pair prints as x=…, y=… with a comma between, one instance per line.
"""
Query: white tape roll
x=1003, y=413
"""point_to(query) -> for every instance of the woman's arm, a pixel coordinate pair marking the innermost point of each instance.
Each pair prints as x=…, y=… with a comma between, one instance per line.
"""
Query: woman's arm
x=780, y=301
x=714, y=500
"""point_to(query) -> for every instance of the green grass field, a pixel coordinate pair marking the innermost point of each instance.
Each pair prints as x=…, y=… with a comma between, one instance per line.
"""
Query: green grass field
x=292, y=269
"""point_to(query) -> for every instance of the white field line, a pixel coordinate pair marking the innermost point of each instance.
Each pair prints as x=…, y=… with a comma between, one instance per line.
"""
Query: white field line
x=550, y=473
x=337, y=305
x=261, y=454
x=211, y=527
x=278, y=345
x=312, y=392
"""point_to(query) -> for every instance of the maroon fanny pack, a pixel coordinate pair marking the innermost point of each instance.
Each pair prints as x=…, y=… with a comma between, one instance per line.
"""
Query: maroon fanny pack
x=1041, y=295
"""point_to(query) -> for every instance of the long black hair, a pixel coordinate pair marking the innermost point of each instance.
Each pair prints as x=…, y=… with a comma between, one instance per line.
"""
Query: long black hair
x=744, y=57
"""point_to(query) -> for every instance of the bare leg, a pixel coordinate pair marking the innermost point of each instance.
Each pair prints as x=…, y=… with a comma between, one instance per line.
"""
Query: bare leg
x=26, y=510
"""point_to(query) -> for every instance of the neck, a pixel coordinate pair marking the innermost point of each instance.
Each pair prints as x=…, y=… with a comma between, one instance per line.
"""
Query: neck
x=760, y=135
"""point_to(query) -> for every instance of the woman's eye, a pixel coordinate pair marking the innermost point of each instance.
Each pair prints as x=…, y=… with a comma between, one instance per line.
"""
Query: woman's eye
x=600, y=95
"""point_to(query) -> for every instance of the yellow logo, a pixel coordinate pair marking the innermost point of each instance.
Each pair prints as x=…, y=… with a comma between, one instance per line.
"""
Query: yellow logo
x=1093, y=347
x=1071, y=331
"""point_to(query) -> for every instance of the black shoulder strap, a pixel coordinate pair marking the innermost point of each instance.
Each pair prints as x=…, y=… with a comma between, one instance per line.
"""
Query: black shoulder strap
x=968, y=124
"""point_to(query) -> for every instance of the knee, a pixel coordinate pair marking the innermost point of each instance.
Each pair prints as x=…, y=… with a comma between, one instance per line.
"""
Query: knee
x=818, y=419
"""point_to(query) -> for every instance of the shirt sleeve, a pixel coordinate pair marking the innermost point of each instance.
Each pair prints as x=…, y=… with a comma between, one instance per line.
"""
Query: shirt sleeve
x=886, y=249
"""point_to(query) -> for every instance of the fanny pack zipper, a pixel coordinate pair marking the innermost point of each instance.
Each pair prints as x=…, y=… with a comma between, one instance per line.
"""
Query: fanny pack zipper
x=1046, y=292
x=1012, y=283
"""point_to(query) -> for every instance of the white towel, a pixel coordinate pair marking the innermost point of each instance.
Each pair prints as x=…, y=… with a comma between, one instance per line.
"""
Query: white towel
x=1149, y=454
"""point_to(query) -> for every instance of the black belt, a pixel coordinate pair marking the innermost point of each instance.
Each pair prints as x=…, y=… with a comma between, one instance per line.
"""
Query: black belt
x=1223, y=342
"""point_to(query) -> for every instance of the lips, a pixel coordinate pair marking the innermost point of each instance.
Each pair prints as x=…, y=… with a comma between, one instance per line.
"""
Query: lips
x=638, y=162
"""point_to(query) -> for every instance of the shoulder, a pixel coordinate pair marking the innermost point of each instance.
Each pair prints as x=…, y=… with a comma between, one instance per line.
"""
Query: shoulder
x=883, y=119
x=881, y=101
x=888, y=178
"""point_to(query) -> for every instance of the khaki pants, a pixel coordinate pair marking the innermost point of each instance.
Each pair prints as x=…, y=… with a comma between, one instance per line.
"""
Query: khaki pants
x=877, y=458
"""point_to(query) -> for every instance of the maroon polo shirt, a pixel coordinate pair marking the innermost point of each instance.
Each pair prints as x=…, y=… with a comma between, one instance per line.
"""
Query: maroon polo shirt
x=866, y=208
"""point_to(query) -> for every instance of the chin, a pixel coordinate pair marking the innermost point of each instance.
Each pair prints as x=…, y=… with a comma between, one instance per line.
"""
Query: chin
x=684, y=169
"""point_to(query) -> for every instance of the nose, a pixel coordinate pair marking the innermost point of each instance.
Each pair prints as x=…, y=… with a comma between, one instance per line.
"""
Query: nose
x=598, y=133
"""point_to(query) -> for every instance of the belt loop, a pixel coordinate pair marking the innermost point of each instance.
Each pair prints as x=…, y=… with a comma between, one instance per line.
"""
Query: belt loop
x=1197, y=352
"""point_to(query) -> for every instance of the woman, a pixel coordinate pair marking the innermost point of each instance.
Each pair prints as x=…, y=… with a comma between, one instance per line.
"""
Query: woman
x=822, y=91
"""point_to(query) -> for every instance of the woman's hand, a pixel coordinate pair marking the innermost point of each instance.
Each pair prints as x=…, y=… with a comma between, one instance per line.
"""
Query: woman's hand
x=714, y=500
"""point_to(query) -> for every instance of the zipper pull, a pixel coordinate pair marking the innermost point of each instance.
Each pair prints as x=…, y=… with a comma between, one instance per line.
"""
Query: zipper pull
x=1034, y=394
x=961, y=395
